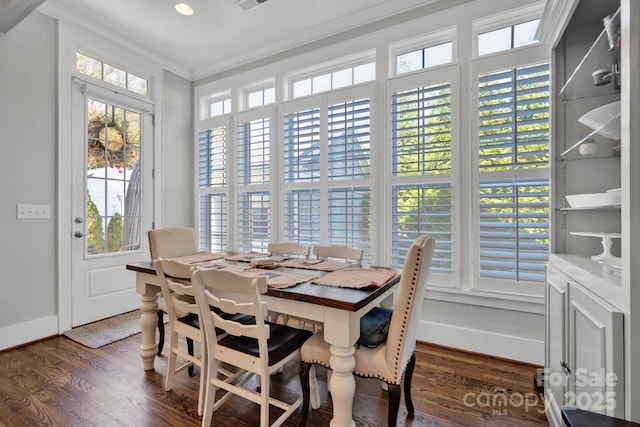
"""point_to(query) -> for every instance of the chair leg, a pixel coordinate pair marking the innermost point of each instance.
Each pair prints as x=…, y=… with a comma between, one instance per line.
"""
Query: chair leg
x=190, y=351
x=304, y=380
x=160, y=314
x=394, y=404
x=408, y=375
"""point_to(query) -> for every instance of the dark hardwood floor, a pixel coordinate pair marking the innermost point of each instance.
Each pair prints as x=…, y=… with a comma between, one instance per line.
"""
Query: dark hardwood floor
x=57, y=382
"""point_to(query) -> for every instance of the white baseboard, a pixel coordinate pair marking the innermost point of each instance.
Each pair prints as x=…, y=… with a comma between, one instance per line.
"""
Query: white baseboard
x=32, y=330
x=485, y=342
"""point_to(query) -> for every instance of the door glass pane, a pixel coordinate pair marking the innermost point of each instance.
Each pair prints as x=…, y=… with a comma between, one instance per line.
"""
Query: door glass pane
x=113, y=179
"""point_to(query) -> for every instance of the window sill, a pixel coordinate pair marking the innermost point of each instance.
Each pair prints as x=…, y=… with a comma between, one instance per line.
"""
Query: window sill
x=527, y=304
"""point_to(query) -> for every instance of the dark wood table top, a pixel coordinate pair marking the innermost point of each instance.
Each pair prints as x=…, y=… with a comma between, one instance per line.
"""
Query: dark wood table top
x=328, y=296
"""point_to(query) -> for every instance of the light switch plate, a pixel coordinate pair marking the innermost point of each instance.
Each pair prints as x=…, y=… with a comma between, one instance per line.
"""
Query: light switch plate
x=33, y=211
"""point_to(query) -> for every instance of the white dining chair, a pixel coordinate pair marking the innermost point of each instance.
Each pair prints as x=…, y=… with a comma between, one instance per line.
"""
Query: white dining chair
x=169, y=242
x=184, y=321
x=258, y=349
x=337, y=252
x=289, y=248
x=395, y=357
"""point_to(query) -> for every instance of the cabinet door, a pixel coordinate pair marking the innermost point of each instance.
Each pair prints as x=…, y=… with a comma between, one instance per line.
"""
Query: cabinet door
x=556, y=331
x=596, y=349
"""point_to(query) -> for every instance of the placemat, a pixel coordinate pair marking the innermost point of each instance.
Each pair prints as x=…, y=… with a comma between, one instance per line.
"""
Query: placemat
x=280, y=279
x=356, y=278
x=315, y=264
x=198, y=257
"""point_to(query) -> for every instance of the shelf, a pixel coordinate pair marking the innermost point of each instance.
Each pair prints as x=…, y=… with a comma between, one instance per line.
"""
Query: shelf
x=596, y=208
x=604, y=120
x=602, y=35
x=607, y=240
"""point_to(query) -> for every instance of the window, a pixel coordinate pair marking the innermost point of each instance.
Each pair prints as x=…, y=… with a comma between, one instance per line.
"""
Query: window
x=507, y=37
x=212, y=180
x=253, y=139
x=261, y=97
x=109, y=74
x=302, y=145
x=113, y=162
x=218, y=107
x=449, y=146
x=513, y=187
x=327, y=81
x=422, y=165
x=424, y=58
x=333, y=201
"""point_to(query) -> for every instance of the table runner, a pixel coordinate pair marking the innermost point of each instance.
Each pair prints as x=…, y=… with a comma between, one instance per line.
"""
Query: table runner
x=315, y=264
x=355, y=278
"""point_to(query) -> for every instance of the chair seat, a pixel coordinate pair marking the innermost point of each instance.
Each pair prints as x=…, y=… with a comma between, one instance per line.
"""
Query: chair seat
x=193, y=320
x=284, y=340
x=370, y=362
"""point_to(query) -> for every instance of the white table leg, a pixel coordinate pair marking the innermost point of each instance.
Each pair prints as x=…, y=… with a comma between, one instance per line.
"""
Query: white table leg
x=148, y=324
x=343, y=385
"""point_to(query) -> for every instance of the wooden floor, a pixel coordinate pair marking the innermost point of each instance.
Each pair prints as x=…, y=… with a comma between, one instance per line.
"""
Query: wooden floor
x=57, y=382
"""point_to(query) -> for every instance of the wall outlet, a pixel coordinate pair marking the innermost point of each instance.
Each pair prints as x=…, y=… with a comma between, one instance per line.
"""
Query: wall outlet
x=33, y=211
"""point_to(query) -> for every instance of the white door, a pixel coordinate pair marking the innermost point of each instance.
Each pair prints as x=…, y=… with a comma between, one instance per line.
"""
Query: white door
x=111, y=190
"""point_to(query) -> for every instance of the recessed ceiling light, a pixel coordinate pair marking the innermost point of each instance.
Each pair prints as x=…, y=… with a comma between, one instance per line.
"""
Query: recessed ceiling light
x=184, y=9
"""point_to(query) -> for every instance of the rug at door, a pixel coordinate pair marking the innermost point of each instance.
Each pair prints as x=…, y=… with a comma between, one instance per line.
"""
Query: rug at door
x=106, y=331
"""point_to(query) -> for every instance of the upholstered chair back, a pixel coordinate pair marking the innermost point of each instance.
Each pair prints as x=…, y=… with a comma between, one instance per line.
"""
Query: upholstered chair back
x=172, y=241
x=401, y=341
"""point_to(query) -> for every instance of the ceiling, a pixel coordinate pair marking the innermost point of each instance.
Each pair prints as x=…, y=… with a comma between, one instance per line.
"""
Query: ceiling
x=221, y=35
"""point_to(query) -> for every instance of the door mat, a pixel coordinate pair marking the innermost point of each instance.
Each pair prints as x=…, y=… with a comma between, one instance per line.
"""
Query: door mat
x=106, y=331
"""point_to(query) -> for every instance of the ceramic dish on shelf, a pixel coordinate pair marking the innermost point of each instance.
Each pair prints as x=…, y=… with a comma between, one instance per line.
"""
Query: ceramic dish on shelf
x=594, y=200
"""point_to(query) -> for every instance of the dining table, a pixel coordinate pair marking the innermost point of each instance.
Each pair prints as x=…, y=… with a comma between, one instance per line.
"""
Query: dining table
x=334, y=295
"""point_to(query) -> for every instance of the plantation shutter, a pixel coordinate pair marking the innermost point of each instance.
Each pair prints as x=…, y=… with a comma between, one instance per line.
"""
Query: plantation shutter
x=421, y=126
x=253, y=173
x=212, y=179
x=514, y=206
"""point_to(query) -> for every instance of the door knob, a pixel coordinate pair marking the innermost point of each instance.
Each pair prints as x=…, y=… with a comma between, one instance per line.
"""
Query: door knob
x=78, y=234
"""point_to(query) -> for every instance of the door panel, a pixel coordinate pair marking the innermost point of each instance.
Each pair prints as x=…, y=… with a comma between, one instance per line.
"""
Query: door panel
x=111, y=201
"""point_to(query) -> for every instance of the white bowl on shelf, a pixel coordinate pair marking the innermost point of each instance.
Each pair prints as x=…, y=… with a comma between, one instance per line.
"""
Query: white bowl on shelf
x=593, y=200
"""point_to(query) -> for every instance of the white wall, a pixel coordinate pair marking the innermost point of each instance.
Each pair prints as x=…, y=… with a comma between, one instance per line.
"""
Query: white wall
x=28, y=175
x=176, y=195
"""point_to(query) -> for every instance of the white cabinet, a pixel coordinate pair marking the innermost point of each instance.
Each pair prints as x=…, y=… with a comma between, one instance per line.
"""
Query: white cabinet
x=590, y=307
x=584, y=352
x=556, y=354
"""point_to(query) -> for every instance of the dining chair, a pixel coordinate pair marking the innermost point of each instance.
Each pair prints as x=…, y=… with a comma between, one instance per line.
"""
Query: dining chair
x=395, y=357
x=337, y=251
x=169, y=242
x=288, y=248
x=183, y=314
x=258, y=349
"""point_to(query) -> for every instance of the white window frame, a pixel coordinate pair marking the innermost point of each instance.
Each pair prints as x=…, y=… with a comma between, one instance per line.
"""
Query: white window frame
x=204, y=125
x=269, y=187
x=324, y=184
x=502, y=20
x=428, y=77
x=317, y=70
x=515, y=58
x=423, y=42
